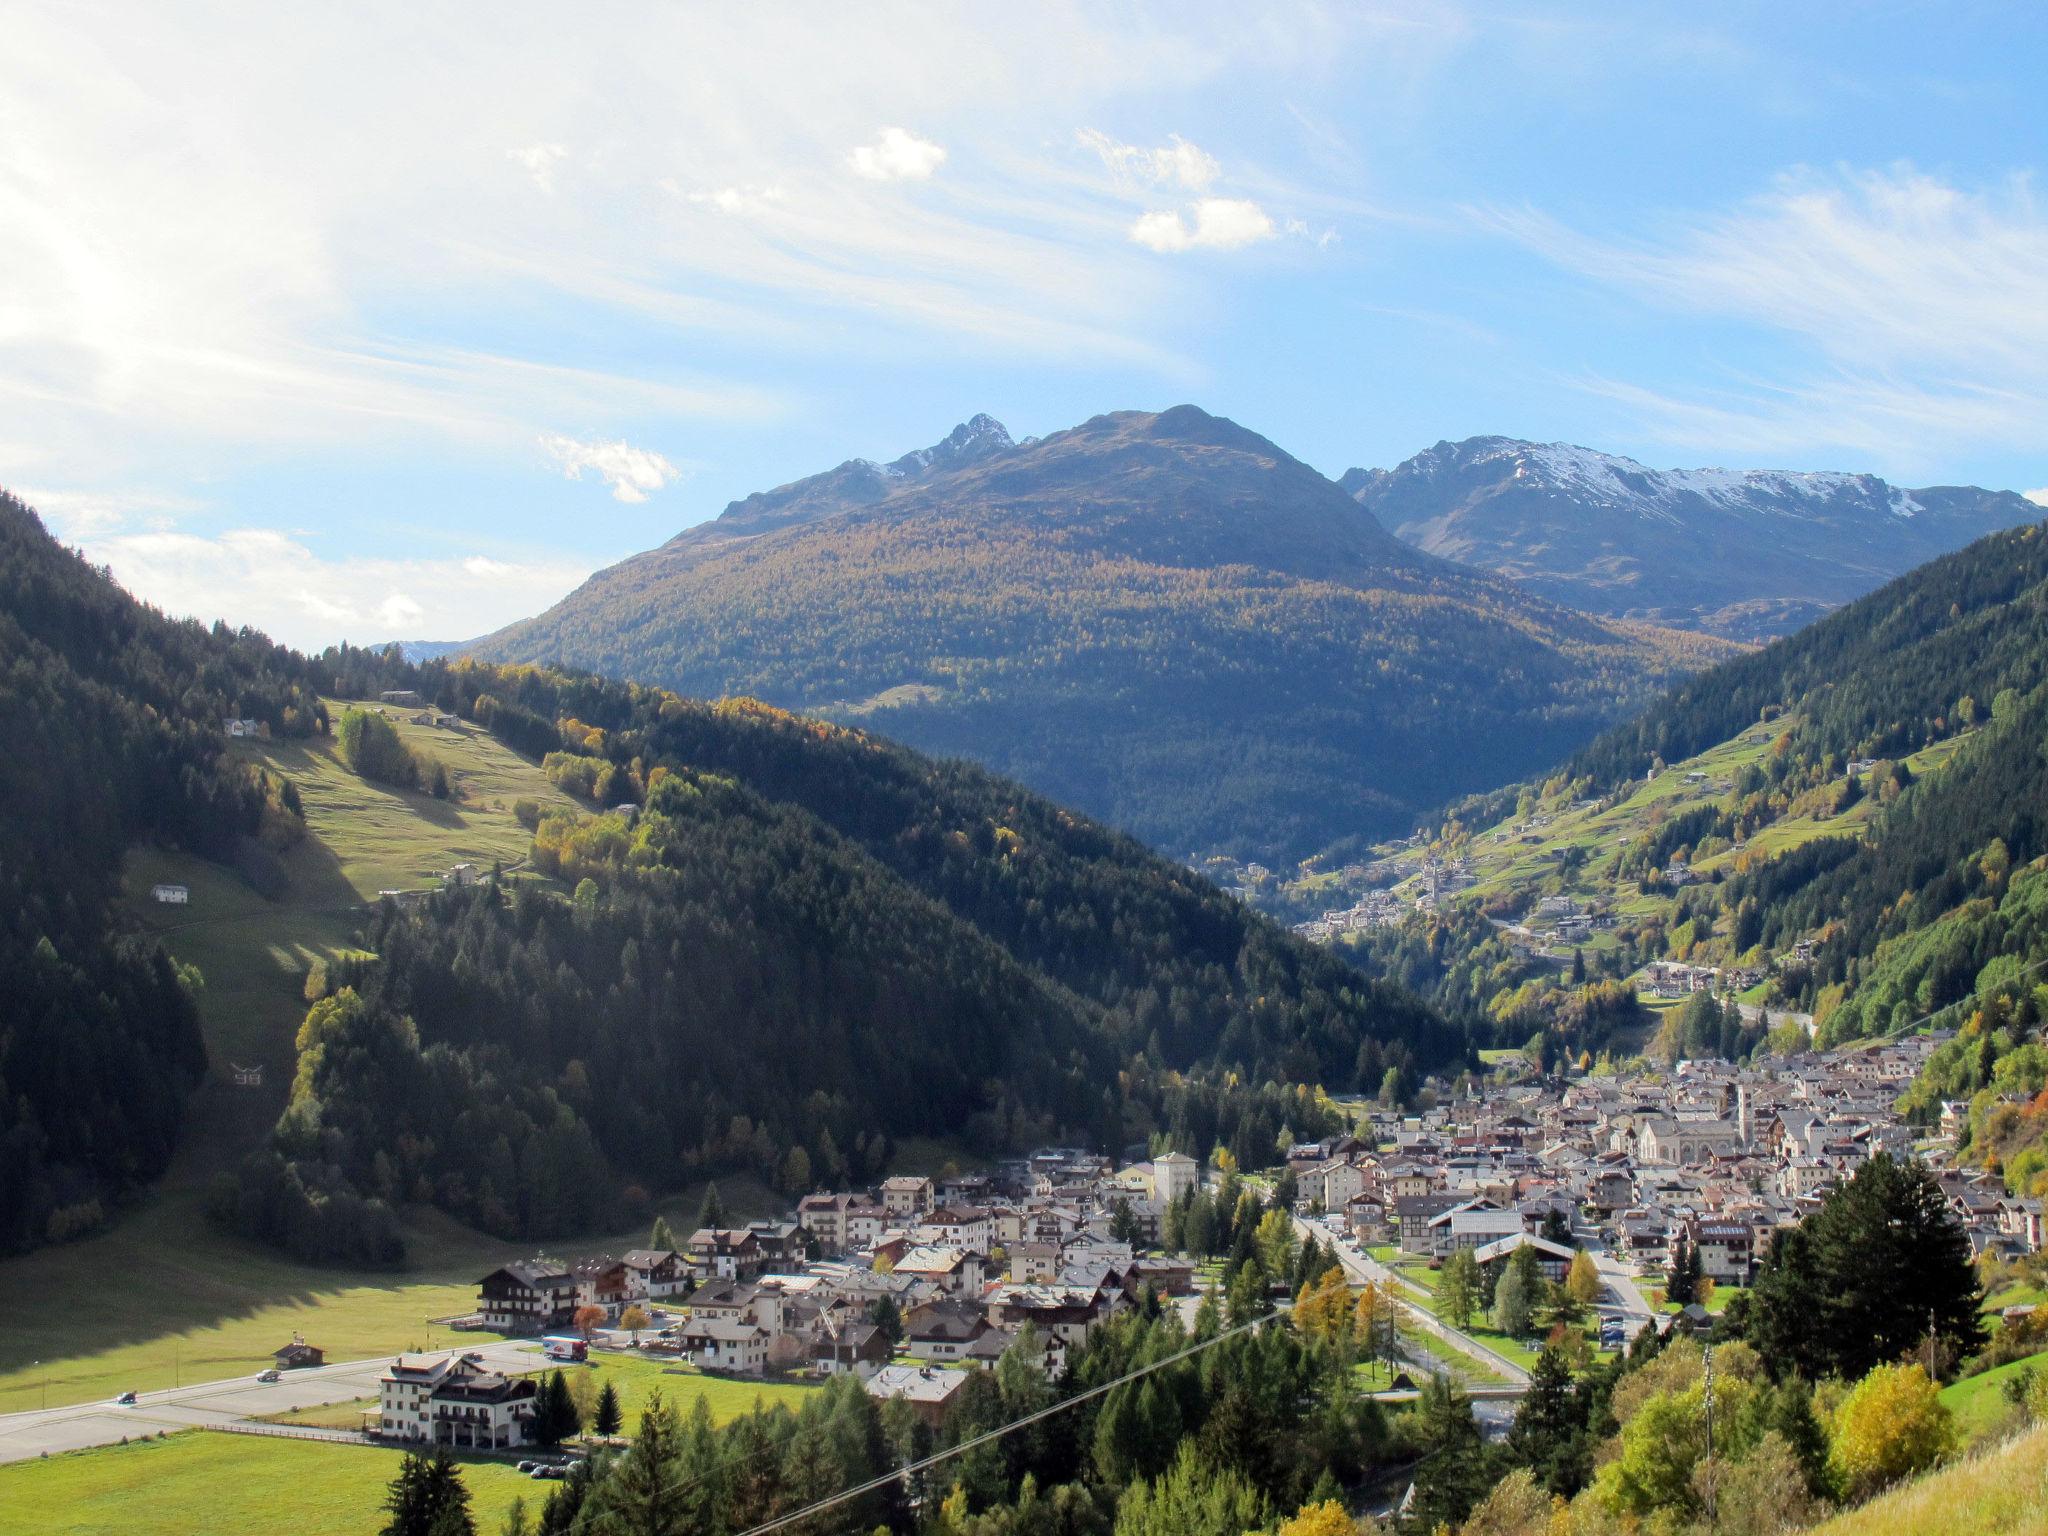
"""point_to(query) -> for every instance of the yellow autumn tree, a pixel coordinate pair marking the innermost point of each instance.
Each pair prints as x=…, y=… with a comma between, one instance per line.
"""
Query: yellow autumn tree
x=1328, y=1518
x=1892, y=1425
x=1324, y=1311
x=1582, y=1282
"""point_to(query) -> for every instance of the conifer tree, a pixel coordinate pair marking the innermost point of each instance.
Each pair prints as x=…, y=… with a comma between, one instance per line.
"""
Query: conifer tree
x=712, y=1212
x=607, y=1420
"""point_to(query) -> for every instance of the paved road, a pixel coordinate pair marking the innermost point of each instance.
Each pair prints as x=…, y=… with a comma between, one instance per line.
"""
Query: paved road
x=1360, y=1266
x=1621, y=1286
x=214, y=1403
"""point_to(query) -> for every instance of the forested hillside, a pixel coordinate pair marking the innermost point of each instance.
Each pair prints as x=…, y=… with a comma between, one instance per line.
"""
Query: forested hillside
x=1841, y=814
x=114, y=715
x=1163, y=620
x=793, y=945
x=768, y=943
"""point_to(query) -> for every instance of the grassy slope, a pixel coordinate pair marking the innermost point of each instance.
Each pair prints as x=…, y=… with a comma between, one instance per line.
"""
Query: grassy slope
x=160, y=1295
x=1511, y=863
x=2003, y=1491
x=1978, y=1402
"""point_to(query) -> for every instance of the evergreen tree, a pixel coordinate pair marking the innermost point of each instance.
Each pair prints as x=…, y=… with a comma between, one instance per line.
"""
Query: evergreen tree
x=1865, y=1279
x=427, y=1498
x=1549, y=1432
x=1680, y=1284
x=662, y=1239
x=555, y=1415
x=885, y=1315
x=641, y=1493
x=606, y=1419
x=1455, y=1470
x=712, y=1212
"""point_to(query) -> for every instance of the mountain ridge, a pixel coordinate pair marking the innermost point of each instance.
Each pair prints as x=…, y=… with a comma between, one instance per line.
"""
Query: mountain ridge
x=1162, y=618
x=1747, y=554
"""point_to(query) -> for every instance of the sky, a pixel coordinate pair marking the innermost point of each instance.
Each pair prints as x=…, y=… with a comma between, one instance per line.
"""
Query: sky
x=395, y=321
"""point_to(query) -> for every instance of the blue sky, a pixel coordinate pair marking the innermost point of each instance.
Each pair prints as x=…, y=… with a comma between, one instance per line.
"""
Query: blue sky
x=396, y=321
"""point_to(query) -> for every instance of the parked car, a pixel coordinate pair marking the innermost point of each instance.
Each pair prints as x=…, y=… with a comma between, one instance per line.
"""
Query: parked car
x=273, y=1374
x=126, y=1399
x=527, y=1467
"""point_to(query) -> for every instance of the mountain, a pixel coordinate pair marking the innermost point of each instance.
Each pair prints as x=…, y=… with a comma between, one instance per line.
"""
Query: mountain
x=1854, y=814
x=1744, y=553
x=1162, y=619
x=794, y=946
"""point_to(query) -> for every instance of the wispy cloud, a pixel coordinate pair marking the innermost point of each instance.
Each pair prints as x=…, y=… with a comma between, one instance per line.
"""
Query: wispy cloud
x=1922, y=307
x=1176, y=161
x=275, y=580
x=632, y=473
x=897, y=155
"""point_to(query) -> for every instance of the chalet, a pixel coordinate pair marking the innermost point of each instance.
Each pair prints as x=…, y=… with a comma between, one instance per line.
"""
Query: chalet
x=654, y=1273
x=404, y=698
x=1412, y=1217
x=953, y=1270
x=605, y=1282
x=727, y=1253
x=859, y=1348
x=298, y=1356
x=944, y=1330
x=170, y=895
x=1727, y=1251
x=461, y=874
x=242, y=728
x=1554, y=1260
x=717, y=1345
x=927, y=1388
x=780, y=1243
x=1063, y=1312
x=533, y=1296
x=454, y=1400
x=953, y=1227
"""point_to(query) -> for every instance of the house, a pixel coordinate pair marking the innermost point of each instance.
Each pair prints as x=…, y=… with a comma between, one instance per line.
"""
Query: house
x=461, y=874
x=298, y=1356
x=927, y=1388
x=454, y=1400
x=605, y=1282
x=906, y=1195
x=655, y=1272
x=532, y=1296
x=953, y=1270
x=728, y=1253
x=943, y=1330
x=170, y=895
x=1412, y=1217
x=860, y=1348
x=404, y=698
x=718, y=1345
x=1554, y=1260
x=1727, y=1251
x=242, y=728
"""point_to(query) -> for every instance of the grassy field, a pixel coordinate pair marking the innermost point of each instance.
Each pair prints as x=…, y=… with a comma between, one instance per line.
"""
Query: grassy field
x=228, y=1485
x=636, y=1378
x=2004, y=1490
x=1978, y=1402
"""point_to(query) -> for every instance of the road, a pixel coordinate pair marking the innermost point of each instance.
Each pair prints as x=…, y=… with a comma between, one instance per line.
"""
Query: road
x=1360, y=1266
x=1621, y=1286
x=214, y=1403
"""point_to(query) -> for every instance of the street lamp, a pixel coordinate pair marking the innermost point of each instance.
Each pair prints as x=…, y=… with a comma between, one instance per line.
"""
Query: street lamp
x=38, y=1365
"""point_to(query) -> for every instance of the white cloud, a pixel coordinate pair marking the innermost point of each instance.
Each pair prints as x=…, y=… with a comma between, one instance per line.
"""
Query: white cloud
x=540, y=161
x=1219, y=223
x=2038, y=498
x=1921, y=307
x=738, y=200
x=1176, y=161
x=274, y=580
x=897, y=155
x=631, y=472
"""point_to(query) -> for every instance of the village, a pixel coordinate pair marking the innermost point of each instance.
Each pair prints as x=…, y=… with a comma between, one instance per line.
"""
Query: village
x=912, y=1286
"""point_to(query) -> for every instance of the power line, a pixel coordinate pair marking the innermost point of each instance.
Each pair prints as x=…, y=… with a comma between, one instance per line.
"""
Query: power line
x=781, y=1522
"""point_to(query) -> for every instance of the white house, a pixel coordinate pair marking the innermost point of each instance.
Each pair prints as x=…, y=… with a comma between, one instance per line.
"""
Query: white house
x=174, y=895
x=454, y=1400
